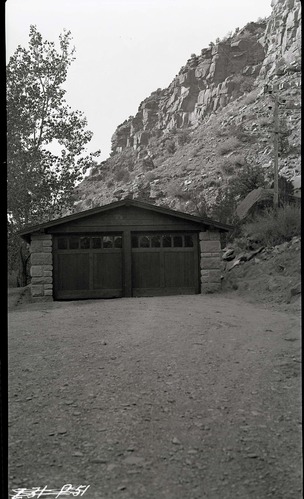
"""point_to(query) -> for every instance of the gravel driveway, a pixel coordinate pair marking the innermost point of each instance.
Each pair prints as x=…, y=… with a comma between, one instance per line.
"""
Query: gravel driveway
x=184, y=397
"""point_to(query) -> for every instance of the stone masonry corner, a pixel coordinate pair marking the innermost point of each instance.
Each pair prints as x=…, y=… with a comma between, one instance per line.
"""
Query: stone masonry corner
x=41, y=267
x=210, y=261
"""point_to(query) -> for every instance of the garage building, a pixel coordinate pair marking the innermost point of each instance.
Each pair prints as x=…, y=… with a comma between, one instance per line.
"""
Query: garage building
x=126, y=248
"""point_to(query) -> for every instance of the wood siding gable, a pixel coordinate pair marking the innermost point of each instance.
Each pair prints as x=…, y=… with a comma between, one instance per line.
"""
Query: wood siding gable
x=126, y=217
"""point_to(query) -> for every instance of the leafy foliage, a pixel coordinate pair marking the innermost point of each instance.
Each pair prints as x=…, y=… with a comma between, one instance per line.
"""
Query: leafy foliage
x=283, y=144
x=170, y=146
x=224, y=206
x=286, y=190
x=39, y=121
x=248, y=178
x=183, y=137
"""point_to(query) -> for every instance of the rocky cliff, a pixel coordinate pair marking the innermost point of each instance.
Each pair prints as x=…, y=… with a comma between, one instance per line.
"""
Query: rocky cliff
x=282, y=39
x=206, y=84
x=214, y=118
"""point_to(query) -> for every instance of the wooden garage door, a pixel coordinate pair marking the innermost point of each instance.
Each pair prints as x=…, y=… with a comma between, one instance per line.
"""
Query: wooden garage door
x=87, y=266
x=164, y=264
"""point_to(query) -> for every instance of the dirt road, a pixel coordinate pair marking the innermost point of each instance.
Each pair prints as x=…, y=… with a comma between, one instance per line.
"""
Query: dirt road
x=158, y=398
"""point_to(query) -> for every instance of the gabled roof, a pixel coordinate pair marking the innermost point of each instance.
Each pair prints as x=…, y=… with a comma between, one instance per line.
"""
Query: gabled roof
x=24, y=233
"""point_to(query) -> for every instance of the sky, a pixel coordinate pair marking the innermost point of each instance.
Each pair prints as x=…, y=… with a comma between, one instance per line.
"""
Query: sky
x=125, y=49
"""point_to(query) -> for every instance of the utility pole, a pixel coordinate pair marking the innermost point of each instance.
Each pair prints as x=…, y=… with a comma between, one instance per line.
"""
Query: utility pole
x=276, y=152
x=275, y=98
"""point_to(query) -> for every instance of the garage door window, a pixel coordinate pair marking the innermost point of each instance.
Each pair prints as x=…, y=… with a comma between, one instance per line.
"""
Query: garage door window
x=107, y=242
x=164, y=241
x=178, y=241
x=112, y=242
x=117, y=242
x=84, y=242
x=155, y=241
x=144, y=242
x=188, y=239
x=76, y=242
x=96, y=242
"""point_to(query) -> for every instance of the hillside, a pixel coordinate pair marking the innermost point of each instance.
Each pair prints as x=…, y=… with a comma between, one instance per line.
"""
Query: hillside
x=272, y=277
x=188, y=141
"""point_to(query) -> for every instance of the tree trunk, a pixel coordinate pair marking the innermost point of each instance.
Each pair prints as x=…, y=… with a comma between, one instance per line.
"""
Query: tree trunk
x=22, y=279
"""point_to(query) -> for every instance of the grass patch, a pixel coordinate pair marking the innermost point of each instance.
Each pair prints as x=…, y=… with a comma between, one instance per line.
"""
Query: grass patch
x=270, y=228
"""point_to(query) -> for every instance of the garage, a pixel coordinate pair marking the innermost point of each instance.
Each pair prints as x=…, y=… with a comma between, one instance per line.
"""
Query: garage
x=124, y=249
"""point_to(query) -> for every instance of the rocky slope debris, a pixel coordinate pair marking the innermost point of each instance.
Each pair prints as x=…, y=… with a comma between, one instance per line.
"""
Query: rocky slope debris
x=265, y=274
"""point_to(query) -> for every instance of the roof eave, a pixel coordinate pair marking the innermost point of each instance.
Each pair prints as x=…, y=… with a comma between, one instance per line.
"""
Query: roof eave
x=127, y=202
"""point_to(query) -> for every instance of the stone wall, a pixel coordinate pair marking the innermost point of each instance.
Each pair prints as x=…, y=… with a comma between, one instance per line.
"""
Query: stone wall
x=210, y=249
x=42, y=267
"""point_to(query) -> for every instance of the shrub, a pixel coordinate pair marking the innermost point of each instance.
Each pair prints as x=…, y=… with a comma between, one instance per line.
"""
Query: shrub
x=150, y=176
x=226, y=166
x=170, y=146
x=95, y=170
x=238, y=79
x=271, y=227
x=248, y=178
x=183, y=137
x=227, y=169
x=175, y=189
x=295, y=149
x=212, y=183
x=100, y=176
x=229, y=145
x=122, y=175
x=238, y=132
x=221, y=132
x=148, y=163
x=196, y=201
x=261, y=20
x=157, y=133
x=88, y=202
x=245, y=83
x=238, y=160
x=224, y=206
